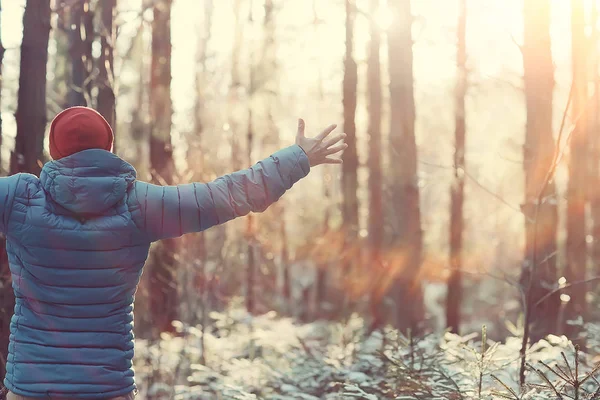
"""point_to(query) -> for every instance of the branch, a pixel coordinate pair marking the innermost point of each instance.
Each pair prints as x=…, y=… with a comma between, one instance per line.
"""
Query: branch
x=541, y=300
x=471, y=177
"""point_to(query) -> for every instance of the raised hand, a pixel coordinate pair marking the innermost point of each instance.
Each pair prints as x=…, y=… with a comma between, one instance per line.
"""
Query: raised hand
x=320, y=148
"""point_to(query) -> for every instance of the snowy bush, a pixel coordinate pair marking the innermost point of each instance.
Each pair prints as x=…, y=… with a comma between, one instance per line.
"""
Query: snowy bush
x=266, y=357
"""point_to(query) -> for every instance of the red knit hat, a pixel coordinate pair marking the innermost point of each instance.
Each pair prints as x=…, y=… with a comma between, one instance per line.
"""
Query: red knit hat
x=76, y=129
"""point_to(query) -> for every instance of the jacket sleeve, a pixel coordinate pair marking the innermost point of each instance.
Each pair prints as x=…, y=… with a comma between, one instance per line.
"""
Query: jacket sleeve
x=8, y=188
x=171, y=211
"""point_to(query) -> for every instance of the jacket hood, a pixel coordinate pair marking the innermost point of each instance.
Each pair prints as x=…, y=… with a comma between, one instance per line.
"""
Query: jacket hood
x=88, y=182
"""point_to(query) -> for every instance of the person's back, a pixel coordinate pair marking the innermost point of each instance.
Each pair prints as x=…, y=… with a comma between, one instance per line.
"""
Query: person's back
x=77, y=239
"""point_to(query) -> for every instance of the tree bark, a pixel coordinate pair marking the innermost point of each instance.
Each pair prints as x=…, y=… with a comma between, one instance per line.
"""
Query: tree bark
x=375, y=220
x=577, y=187
x=538, y=152
x=106, y=94
x=251, y=280
x=81, y=38
x=350, y=157
x=406, y=215
x=163, y=283
x=454, y=297
x=31, y=107
x=202, y=273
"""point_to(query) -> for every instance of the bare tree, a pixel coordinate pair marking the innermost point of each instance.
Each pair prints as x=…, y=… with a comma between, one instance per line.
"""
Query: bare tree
x=457, y=190
x=81, y=37
x=31, y=108
x=350, y=157
x=404, y=181
x=321, y=272
x=198, y=167
x=541, y=220
x=575, y=269
x=106, y=83
x=162, y=280
x=374, y=97
x=250, y=220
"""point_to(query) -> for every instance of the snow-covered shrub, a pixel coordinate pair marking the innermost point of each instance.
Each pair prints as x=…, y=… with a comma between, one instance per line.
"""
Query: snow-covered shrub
x=267, y=357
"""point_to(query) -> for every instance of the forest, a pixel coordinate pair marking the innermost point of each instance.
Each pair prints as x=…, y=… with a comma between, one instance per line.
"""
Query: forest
x=455, y=254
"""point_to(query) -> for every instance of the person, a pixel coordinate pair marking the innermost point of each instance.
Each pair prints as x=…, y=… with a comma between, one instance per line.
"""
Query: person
x=77, y=239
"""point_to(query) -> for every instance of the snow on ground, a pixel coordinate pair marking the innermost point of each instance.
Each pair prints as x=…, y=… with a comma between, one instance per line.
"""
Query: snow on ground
x=268, y=357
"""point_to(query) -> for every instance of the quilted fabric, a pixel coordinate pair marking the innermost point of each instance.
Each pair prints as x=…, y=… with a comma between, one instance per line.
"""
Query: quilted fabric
x=77, y=240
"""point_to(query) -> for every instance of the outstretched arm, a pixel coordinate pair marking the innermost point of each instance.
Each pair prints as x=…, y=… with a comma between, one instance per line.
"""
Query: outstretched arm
x=171, y=211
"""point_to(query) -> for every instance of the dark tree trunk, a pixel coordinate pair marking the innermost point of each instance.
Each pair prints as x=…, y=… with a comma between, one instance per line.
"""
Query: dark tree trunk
x=541, y=220
x=577, y=187
x=31, y=108
x=454, y=298
x=31, y=124
x=538, y=274
x=374, y=94
x=106, y=86
x=81, y=37
x=350, y=157
x=62, y=63
x=162, y=280
x=406, y=217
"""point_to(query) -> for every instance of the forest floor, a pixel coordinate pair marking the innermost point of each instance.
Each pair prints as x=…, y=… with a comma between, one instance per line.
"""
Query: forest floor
x=268, y=357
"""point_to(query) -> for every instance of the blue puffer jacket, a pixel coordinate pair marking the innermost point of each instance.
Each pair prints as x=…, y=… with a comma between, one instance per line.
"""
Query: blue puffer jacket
x=77, y=239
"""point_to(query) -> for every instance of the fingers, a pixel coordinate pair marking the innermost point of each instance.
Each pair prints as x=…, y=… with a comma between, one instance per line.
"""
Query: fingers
x=301, y=127
x=326, y=132
x=330, y=160
x=334, y=140
x=335, y=149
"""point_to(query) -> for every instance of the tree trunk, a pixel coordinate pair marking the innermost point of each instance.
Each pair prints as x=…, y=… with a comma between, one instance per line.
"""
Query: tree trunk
x=594, y=137
x=163, y=285
x=234, y=88
x=350, y=157
x=406, y=214
x=202, y=273
x=62, y=63
x=541, y=220
x=374, y=93
x=321, y=267
x=81, y=38
x=106, y=94
x=576, y=190
x=31, y=108
x=250, y=228
x=454, y=296
x=31, y=125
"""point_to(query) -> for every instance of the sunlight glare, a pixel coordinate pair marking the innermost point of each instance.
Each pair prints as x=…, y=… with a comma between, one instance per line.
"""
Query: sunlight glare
x=383, y=17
